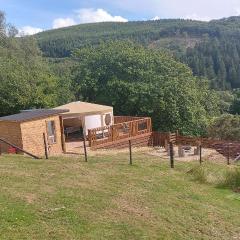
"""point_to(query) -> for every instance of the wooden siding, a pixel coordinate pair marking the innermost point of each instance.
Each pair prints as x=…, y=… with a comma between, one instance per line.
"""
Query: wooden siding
x=11, y=132
x=32, y=136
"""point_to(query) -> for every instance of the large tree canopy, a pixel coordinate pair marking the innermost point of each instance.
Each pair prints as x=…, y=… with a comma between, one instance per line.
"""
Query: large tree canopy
x=25, y=78
x=140, y=81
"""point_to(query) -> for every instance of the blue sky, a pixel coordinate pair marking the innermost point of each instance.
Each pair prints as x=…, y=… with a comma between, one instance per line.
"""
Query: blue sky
x=31, y=16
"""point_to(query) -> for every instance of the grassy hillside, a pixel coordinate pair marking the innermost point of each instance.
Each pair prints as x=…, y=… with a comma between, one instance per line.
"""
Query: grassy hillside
x=108, y=199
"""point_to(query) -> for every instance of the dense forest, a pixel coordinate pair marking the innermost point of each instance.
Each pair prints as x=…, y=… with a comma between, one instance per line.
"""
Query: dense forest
x=136, y=76
x=211, y=49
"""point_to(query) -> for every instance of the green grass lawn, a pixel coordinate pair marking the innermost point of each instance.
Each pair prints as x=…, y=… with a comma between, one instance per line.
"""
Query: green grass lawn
x=108, y=199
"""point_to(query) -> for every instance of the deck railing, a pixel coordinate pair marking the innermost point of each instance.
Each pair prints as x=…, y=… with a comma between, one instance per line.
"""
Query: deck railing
x=122, y=119
x=122, y=130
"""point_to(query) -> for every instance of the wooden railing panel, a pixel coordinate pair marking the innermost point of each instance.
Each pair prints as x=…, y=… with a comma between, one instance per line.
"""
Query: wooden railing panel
x=121, y=119
x=137, y=141
x=123, y=130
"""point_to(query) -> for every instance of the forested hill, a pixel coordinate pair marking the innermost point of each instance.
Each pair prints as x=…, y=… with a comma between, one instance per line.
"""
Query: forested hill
x=211, y=49
x=60, y=42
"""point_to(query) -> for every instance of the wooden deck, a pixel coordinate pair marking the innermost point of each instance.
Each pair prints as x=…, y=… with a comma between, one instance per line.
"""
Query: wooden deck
x=125, y=128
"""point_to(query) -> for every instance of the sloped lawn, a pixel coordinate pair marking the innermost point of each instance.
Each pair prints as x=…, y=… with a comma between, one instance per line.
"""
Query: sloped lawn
x=108, y=199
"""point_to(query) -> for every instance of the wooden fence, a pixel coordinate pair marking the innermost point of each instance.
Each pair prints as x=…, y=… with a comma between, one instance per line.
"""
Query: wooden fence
x=159, y=139
x=228, y=149
x=140, y=132
x=116, y=132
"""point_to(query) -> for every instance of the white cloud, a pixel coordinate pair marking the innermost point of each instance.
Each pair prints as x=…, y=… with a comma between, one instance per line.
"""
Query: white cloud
x=204, y=9
x=238, y=11
x=89, y=15
x=156, y=18
x=63, y=22
x=84, y=15
x=28, y=30
x=195, y=16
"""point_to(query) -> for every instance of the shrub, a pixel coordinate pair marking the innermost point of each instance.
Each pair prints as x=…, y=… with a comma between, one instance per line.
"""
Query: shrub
x=225, y=127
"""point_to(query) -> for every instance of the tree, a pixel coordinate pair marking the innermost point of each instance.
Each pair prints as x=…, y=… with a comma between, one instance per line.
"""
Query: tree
x=25, y=78
x=235, y=106
x=62, y=69
x=225, y=127
x=144, y=82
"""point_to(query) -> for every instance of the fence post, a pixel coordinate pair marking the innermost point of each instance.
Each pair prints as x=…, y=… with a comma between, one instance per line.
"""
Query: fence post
x=130, y=152
x=228, y=156
x=166, y=146
x=200, y=154
x=152, y=138
x=177, y=135
x=89, y=137
x=45, y=145
x=85, y=148
x=171, y=155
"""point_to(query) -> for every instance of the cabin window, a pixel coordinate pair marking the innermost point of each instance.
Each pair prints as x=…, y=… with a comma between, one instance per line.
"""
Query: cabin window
x=51, y=131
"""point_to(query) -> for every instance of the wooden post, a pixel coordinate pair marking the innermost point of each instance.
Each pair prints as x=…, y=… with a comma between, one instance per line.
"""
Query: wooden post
x=177, y=135
x=45, y=145
x=18, y=148
x=166, y=146
x=181, y=152
x=112, y=133
x=228, y=156
x=63, y=138
x=152, y=139
x=0, y=149
x=89, y=137
x=130, y=152
x=85, y=148
x=200, y=153
x=171, y=155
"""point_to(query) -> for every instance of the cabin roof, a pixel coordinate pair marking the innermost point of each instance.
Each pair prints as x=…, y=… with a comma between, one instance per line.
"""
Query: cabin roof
x=84, y=108
x=28, y=115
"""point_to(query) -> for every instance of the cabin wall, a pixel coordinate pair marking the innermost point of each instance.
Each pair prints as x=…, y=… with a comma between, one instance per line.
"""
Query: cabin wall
x=92, y=121
x=32, y=136
x=96, y=121
x=11, y=132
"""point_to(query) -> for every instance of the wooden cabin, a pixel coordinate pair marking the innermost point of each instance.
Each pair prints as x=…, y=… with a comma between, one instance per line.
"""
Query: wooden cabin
x=26, y=130
x=65, y=127
x=82, y=116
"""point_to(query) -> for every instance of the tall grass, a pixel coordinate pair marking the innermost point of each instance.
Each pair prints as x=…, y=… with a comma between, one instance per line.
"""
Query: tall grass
x=229, y=178
x=199, y=174
x=232, y=179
